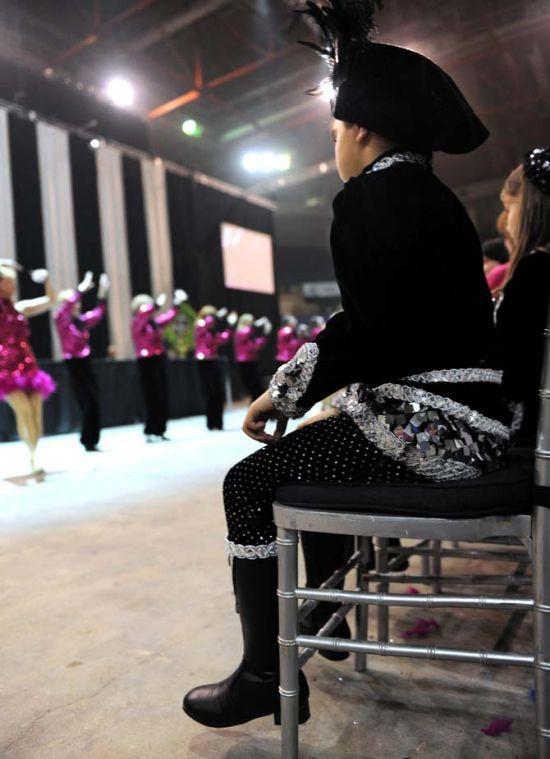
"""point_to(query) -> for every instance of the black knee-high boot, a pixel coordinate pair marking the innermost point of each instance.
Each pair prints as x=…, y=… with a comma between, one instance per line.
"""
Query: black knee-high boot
x=252, y=691
x=323, y=555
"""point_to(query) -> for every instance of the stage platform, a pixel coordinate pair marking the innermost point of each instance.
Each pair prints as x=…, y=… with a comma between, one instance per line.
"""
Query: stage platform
x=116, y=599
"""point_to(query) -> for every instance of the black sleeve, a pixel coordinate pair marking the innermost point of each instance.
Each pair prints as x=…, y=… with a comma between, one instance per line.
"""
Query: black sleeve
x=521, y=319
x=317, y=370
x=340, y=354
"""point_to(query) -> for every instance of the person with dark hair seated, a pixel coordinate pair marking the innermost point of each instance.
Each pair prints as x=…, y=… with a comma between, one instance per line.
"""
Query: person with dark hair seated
x=414, y=344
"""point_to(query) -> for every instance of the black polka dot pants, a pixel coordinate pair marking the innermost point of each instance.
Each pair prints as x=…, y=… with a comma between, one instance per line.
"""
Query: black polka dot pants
x=333, y=450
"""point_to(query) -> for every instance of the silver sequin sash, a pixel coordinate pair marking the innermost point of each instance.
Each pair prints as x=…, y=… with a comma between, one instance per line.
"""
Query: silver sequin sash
x=430, y=434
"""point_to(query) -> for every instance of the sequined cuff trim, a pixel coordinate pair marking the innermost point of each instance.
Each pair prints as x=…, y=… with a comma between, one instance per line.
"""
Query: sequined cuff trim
x=477, y=374
x=473, y=418
x=290, y=381
x=238, y=551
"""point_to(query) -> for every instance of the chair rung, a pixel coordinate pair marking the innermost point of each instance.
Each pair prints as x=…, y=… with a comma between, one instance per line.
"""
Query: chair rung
x=326, y=630
x=462, y=554
x=415, y=652
x=338, y=576
x=450, y=579
x=424, y=600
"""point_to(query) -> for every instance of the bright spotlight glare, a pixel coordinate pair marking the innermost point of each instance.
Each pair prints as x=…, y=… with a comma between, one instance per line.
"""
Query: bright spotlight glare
x=189, y=127
x=266, y=162
x=120, y=92
x=94, y=143
x=326, y=90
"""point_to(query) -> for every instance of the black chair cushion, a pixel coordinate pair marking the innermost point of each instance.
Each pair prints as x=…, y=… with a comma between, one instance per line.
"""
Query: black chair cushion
x=506, y=491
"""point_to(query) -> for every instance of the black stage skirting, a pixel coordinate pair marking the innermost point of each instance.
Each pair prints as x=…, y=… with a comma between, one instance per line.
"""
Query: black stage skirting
x=120, y=396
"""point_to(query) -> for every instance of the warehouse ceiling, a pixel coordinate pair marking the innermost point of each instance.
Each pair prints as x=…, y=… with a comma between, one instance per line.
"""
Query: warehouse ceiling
x=234, y=67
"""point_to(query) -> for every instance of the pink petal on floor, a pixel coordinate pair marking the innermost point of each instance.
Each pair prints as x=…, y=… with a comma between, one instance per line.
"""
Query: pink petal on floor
x=498, y=726
x=412, y=591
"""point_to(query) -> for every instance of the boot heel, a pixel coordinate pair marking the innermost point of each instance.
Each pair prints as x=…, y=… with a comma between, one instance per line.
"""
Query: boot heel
x=303, y=714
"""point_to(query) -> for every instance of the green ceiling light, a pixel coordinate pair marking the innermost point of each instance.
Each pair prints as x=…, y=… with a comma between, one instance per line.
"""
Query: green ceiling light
x=192, y=128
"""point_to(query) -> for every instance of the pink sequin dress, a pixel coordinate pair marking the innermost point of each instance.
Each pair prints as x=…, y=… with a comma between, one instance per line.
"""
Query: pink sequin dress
x=19, y=369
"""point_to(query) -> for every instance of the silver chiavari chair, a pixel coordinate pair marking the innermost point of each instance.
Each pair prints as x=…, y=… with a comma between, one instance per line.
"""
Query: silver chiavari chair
x=508, y=510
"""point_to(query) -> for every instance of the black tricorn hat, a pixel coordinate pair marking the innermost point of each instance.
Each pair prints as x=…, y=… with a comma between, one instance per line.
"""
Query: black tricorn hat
x=395, y=92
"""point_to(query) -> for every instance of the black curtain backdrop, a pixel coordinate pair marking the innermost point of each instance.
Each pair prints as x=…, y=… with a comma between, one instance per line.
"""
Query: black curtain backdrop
x=211, y=208
x=87, y=228
x=28, y=221
x=138, y=250
x=185, y=261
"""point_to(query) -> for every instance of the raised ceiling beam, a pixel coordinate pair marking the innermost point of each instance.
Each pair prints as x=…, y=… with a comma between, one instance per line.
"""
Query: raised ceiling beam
x=191, y=95
x=171, y=105
x=97, y=34
x=183, y=20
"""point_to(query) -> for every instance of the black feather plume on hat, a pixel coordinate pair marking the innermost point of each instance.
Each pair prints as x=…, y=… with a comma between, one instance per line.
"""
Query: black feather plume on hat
x=346, y=27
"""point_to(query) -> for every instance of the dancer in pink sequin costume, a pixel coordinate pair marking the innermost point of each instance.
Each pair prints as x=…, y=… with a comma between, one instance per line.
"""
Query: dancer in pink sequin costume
x=147, y=332
x=316, y=326
x=288, y=339
x=213, y=329
x=73, y=328
x=250, y=339
x=23, y=385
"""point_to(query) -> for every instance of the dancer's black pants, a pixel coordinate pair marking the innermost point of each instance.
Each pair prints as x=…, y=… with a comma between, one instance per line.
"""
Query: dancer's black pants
x=249, y=373
x=153, y=378
x=84, y=385
x=211, y=379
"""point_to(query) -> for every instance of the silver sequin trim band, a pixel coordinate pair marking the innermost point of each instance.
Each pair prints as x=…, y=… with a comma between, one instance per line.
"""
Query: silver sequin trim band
x=407, y=157
x=238, y=551
x=291, y=381
x=473, y=418
x=493, y=376
x=438, y=469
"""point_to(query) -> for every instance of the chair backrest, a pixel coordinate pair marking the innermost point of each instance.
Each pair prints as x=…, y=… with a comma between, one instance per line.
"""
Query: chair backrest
x=542, y=454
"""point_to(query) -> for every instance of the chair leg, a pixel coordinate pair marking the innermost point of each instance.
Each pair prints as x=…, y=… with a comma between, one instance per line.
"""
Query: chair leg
x=287, y=546
x=436, y=565
x=381, y=562
x=426, y=571
x=541, y=588
x=362, y=545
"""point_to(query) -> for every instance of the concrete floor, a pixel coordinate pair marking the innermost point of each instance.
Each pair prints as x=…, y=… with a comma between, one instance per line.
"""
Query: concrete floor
x=115, y=600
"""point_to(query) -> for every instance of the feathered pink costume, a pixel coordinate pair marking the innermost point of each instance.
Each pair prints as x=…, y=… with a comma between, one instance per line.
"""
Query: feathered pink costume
x=19, y=369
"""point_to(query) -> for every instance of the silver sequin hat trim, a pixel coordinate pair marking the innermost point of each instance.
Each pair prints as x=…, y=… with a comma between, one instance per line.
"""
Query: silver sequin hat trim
x=437, y=469
x=493, y=376
x=238, y=551
x=291, y=381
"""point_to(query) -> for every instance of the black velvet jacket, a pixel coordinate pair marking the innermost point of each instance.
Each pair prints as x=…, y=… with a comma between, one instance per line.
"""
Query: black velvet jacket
x=521, y=318
x=409, y=266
